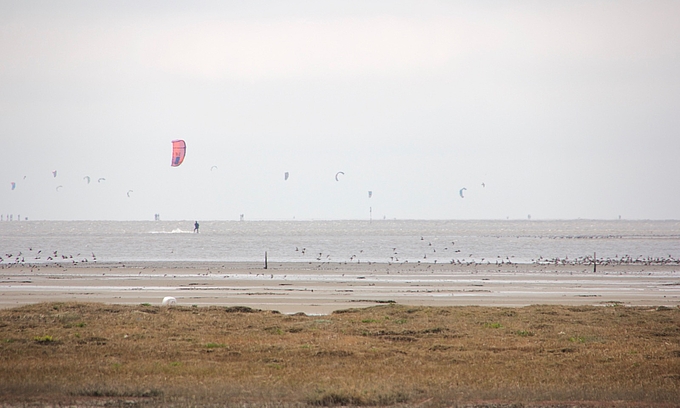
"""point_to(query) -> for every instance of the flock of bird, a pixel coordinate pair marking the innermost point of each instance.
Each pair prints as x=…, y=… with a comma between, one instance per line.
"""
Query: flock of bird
x=508, y=260
x=54, y=257
x=356, y=257
x=426, y=246
x=617, y=260
x=40, y=257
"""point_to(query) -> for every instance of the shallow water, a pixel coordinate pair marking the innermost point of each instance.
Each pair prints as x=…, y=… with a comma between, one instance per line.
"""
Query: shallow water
x=338, y=241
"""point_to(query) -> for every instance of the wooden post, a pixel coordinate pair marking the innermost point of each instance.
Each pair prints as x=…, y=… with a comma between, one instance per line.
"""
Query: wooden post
x=265, y=259
x=594, y=262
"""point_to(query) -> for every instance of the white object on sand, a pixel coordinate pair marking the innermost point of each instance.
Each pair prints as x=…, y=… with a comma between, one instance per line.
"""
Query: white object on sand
x=169, y=301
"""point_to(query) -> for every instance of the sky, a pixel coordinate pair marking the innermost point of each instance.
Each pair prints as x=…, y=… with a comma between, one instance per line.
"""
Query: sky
x=541, y=109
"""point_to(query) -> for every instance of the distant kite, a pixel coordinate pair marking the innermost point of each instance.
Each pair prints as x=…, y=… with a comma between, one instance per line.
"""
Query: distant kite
x=285, y=176
x=179, y=149
x=461, y=192
x=54, y=173
x=128, y=193
x=213, y=168
x=370, y=194
x=483, y=185
x=14, y=185
x=337, y=174
x=58, y=187
x=87, y=178
x=101, y=179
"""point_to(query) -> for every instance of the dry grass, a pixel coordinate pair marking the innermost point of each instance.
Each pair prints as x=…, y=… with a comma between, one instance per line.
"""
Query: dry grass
x=89, y=354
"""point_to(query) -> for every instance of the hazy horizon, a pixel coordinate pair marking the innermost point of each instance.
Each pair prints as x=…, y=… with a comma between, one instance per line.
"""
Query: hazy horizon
x=190, y=221
x=555, y=110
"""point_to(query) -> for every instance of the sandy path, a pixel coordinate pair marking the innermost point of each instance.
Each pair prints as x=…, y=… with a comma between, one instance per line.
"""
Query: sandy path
x=322, y=288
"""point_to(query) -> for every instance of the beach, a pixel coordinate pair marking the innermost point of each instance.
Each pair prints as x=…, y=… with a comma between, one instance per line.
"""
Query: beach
x=321, y=288
x=324, y=334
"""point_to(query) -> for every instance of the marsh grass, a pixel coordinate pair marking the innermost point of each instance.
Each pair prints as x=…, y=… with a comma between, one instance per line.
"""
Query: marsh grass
x=379, y=356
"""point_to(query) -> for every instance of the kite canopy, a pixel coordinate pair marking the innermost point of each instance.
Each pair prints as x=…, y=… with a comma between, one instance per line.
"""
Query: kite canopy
x=14, y=185
x=370, y=194
x=461, y=192
x=337, y=174
x=179, y=149
x=285, y=176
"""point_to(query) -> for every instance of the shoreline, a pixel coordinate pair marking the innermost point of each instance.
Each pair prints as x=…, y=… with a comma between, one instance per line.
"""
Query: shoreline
x=321, y=288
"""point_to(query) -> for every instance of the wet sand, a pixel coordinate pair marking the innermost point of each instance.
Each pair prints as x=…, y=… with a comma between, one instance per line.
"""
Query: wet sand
x=314, y=288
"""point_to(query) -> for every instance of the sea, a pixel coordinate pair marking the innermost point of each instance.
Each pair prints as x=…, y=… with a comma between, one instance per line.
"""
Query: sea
x=345, y=241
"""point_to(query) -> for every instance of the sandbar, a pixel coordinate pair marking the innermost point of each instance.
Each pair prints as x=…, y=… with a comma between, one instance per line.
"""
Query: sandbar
x=321, y=288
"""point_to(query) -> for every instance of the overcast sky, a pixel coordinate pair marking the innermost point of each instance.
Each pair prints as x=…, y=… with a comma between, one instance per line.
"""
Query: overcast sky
x=554, y=109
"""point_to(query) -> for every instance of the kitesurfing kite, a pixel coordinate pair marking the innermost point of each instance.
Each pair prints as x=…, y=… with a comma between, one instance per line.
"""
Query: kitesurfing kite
x=14, y=185
x=54, y=173
x=128, y=193
x=179, y=149
x=101, y=179
x=87, y=178
x=337, y=174
x=213, y=168
x=285, y=176
x=370, y=194
x=58, y=187
x=461, y=192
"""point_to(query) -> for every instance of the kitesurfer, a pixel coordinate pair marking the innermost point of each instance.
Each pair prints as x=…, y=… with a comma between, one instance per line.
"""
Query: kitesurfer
x=196, y=227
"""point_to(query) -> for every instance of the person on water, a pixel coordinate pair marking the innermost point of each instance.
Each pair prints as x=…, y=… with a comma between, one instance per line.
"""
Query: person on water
x=196, y=227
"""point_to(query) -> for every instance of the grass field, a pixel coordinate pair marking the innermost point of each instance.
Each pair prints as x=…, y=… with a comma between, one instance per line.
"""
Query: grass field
x=82, y=354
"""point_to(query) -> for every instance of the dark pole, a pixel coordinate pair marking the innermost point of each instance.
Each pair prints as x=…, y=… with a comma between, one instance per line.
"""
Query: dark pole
x=265, y=259
x=594, y=262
